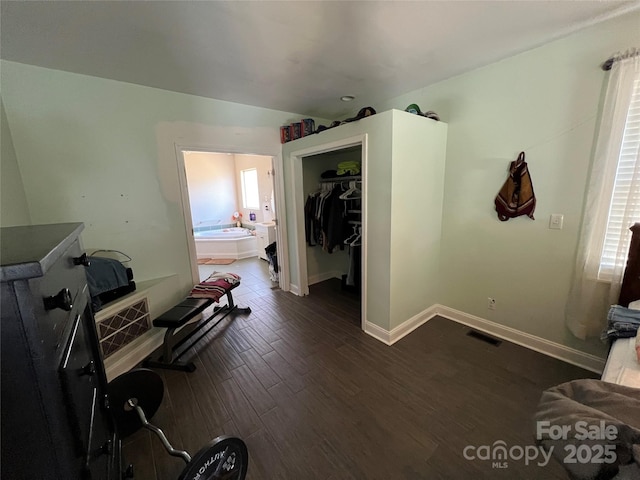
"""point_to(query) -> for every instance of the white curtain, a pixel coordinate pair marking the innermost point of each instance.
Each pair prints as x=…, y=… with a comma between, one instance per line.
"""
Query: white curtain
x=592, y=294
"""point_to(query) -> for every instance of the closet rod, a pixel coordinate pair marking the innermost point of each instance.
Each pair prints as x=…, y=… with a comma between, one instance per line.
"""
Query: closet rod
x=340, y=179
x=608, y=64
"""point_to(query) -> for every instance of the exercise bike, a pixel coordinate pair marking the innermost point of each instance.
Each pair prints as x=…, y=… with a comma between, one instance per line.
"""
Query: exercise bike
x=137, y=395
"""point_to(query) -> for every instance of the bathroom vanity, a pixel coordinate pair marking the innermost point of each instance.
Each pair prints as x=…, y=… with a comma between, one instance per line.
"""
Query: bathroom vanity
x=266, y=235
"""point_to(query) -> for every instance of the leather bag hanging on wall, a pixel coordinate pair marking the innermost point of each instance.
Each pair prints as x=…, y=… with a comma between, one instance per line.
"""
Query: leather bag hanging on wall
x=516, y=196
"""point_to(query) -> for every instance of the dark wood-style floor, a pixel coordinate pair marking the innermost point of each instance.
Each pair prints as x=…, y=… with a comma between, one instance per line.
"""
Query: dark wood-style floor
x=316, y=398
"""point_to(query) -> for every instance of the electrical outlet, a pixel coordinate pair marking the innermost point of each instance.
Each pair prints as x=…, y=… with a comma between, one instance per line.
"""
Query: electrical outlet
x=491, y=303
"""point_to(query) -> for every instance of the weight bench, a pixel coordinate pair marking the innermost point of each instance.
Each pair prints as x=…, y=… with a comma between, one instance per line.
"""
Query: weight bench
x=202, y=296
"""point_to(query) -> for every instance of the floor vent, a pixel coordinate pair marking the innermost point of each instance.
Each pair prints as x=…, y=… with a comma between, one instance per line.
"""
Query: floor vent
x=485, y=338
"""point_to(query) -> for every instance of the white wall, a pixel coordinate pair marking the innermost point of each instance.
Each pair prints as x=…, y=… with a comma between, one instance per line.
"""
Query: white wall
x=212, y=187
x=416, y=214
x=262, y=164
x=13, y=201
x=545, y=102
x=104, y=153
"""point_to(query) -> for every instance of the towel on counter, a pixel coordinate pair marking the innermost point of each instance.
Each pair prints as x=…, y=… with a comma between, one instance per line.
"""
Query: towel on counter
x=215, y=286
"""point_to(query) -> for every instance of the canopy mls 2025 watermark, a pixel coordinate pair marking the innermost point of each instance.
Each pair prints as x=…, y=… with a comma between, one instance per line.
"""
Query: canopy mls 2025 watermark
x=599, y=448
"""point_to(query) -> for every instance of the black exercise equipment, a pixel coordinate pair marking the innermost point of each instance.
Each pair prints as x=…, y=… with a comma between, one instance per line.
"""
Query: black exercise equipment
x=179, y=316
x=138, y=393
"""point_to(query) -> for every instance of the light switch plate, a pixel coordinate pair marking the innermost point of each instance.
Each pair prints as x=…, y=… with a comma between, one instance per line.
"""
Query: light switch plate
x=556, y=221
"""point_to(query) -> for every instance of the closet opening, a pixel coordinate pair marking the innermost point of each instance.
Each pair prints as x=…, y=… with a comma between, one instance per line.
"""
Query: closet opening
x=333, y=188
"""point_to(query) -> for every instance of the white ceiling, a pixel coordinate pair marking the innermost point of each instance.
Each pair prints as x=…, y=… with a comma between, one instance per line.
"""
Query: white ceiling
x=293, y=56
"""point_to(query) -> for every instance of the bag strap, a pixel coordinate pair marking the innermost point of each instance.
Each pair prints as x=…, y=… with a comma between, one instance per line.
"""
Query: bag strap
x=520, y=159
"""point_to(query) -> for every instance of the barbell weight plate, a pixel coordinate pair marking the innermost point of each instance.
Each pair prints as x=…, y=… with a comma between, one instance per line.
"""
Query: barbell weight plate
x=225, y=458
x=142, y=385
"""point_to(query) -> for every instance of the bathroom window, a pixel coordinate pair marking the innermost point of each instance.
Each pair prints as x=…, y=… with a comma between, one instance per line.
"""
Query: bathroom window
x=250, y=195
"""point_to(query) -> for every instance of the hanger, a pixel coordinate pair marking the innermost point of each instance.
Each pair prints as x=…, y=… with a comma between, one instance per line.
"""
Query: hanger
x=353, y=189
x=354, y=239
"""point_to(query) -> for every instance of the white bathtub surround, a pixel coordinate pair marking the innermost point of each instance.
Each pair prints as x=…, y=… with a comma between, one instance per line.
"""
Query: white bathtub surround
x=207, y=226
x=235, y=242
x=228, y=233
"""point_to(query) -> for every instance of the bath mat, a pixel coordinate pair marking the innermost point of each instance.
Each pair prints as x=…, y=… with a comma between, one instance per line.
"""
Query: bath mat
x=203, y=261
x=220, y=261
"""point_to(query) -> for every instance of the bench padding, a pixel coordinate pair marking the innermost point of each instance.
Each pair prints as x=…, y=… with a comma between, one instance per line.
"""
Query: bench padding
x=182, y=313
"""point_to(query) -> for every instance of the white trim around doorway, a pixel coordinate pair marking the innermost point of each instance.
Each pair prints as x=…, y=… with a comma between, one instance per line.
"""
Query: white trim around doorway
x=281, y=233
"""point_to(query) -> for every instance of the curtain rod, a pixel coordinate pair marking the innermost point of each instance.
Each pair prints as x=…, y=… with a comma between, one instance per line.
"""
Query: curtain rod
x=606, y=66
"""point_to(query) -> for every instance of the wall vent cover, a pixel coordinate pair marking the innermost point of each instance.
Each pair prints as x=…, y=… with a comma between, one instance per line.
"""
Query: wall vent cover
x=485, y=338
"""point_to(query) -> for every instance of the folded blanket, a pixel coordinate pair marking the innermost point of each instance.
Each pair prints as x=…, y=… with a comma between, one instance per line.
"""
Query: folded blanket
x=597, y=417
x=215, y=286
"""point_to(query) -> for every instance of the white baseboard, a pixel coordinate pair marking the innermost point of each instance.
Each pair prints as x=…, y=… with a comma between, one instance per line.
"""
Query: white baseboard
x=532, y=342
x=321, y=277
x=294, y=289
x=377, y=332
x=402, y=330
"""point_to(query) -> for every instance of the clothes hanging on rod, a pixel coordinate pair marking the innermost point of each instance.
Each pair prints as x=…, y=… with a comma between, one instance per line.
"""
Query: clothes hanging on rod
x=333, y=220
x=328, y=212
x=355, y=261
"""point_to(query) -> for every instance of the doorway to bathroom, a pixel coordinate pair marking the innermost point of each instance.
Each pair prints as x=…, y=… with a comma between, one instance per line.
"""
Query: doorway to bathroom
x=231, y=206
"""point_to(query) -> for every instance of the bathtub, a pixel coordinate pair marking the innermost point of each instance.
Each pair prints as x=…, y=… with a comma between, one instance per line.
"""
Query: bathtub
x=226, y=243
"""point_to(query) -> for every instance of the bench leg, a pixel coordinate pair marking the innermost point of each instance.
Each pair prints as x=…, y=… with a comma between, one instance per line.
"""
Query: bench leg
x=233, y=306
x=167, y=346
x=180, y=366
x=166, y=360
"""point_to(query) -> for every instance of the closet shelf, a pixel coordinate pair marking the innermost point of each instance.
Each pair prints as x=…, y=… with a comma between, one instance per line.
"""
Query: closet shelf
x=340, y=179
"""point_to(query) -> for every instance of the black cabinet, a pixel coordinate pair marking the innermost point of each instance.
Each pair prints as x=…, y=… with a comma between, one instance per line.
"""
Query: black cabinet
x=55, y=416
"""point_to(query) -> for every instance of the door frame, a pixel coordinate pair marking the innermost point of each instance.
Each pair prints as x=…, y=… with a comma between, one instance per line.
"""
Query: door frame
x=278, y=191
x=299, y=248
